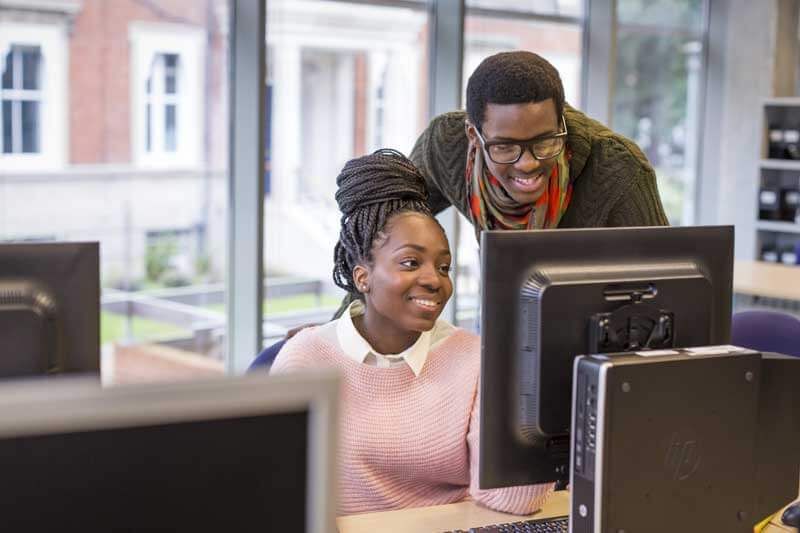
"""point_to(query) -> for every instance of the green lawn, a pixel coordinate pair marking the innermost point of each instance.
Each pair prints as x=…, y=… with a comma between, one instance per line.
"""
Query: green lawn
x=112, y=328
x=299, y=302
x=112, y=325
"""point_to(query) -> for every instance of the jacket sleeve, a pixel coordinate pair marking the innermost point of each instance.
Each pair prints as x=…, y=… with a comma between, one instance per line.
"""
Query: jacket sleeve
x=440, y=154
x=638, y=202
x=421, y=157
x=522, y=500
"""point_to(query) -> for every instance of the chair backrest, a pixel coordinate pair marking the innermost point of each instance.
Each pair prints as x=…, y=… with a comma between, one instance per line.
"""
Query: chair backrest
x=767, y=331
x=265, y=359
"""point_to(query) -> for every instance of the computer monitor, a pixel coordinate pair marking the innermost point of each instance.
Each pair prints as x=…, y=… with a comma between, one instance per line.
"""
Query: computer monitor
x=49, y=308
x=548, y=296
x=251, y=453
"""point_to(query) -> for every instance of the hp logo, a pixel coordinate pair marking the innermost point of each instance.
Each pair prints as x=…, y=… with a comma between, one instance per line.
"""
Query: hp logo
x=683, y=457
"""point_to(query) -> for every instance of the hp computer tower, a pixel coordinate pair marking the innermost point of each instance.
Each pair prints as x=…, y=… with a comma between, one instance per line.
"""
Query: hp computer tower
x=664, y=441
x=778, y=435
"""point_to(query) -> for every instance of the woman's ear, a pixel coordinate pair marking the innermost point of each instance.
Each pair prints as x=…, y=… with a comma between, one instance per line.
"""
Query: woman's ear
x=361, y=278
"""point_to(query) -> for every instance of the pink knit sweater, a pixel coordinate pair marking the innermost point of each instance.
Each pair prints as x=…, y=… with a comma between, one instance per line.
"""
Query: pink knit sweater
x=408, y=441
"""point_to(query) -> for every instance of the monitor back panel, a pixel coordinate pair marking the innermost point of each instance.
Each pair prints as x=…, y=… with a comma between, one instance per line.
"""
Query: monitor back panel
x=507, y=457
x=65, y=275
x=672, y=445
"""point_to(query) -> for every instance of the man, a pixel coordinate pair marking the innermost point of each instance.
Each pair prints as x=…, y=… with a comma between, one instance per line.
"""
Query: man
x=521, y=158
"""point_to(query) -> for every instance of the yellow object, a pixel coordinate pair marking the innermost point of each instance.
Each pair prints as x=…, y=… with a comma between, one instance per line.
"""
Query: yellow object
x=758, y=528
x=774, y=523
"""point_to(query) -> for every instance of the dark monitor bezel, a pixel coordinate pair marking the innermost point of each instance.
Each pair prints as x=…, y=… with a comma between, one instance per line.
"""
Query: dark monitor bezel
x=505, y=460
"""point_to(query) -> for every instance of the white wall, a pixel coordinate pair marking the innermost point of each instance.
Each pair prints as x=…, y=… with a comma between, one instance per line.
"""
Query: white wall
x=741, y=71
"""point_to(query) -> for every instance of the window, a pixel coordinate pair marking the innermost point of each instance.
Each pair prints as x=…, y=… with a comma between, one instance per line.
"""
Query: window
x=32, y=63
x=161, y=104
x=168, y=74
x=145, y=110
x=489, y=31
x=539, y=7
x=344, y=79
x=21, y=96
x=658, y=88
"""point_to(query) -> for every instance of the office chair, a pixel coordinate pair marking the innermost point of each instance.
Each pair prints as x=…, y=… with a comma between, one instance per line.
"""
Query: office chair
x=266, y=357
x=766, y=331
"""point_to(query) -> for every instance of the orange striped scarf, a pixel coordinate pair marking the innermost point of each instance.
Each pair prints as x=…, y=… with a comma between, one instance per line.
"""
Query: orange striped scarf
x=492, y=208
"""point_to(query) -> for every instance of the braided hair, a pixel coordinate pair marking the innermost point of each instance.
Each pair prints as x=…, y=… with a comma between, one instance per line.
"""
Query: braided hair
x=372, y=189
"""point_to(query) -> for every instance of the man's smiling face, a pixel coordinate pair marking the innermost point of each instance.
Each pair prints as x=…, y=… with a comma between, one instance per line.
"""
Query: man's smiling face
x=526, y=180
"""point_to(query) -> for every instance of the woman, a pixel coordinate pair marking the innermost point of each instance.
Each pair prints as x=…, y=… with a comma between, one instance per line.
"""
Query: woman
x=409, y=427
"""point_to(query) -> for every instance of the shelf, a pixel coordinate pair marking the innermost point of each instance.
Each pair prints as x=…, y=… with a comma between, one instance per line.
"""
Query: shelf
x=778, y=225
x=780, y=164
x=783, y=101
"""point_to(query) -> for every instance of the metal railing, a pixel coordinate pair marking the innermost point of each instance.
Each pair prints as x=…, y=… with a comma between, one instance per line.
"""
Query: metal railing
x=187, y=308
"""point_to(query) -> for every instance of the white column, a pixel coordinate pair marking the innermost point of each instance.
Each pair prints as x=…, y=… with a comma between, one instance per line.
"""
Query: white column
x=376, y=65
x=401, y=99
x=285, y=127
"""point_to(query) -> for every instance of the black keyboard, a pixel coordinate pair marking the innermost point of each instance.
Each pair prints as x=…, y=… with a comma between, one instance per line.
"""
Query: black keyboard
x=543, y=525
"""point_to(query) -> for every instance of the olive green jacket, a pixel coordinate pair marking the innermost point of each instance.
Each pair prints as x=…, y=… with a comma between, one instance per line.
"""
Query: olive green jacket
x=613, y=183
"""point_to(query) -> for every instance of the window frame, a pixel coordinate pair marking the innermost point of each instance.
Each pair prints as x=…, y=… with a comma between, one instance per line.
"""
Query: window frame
x=51, y=39
x=158, y=98
x=147, y=42
x=692, y=200
x=17, y=96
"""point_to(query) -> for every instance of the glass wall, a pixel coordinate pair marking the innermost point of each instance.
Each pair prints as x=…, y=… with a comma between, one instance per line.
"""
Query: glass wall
x=115, y=129
x=343, y=79
x=658, y=89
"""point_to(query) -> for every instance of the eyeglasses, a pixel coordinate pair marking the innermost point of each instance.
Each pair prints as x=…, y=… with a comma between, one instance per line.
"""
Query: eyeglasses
x=508, y=152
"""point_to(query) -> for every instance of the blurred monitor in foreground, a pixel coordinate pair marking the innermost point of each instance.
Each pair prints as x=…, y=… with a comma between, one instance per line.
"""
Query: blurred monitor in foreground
x=234, y=454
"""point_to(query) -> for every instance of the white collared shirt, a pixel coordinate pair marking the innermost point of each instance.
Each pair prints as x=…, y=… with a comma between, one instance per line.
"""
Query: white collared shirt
x=357, y=348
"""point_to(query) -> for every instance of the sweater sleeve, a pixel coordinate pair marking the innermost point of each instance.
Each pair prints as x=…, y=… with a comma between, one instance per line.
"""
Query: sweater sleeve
x=522, y=500
x=639, y=204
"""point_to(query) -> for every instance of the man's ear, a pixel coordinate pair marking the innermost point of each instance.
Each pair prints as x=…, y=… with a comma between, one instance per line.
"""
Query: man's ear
x=469, y=128
x=361, y=278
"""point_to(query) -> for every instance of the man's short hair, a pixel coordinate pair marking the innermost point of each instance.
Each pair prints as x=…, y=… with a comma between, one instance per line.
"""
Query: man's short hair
x=512, y=78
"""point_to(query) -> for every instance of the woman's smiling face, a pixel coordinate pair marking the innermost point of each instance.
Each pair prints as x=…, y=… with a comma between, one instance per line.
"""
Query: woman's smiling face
x=409, y=279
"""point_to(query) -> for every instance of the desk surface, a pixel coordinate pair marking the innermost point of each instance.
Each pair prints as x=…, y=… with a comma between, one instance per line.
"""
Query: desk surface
x=462, y=515
x=772, y=280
